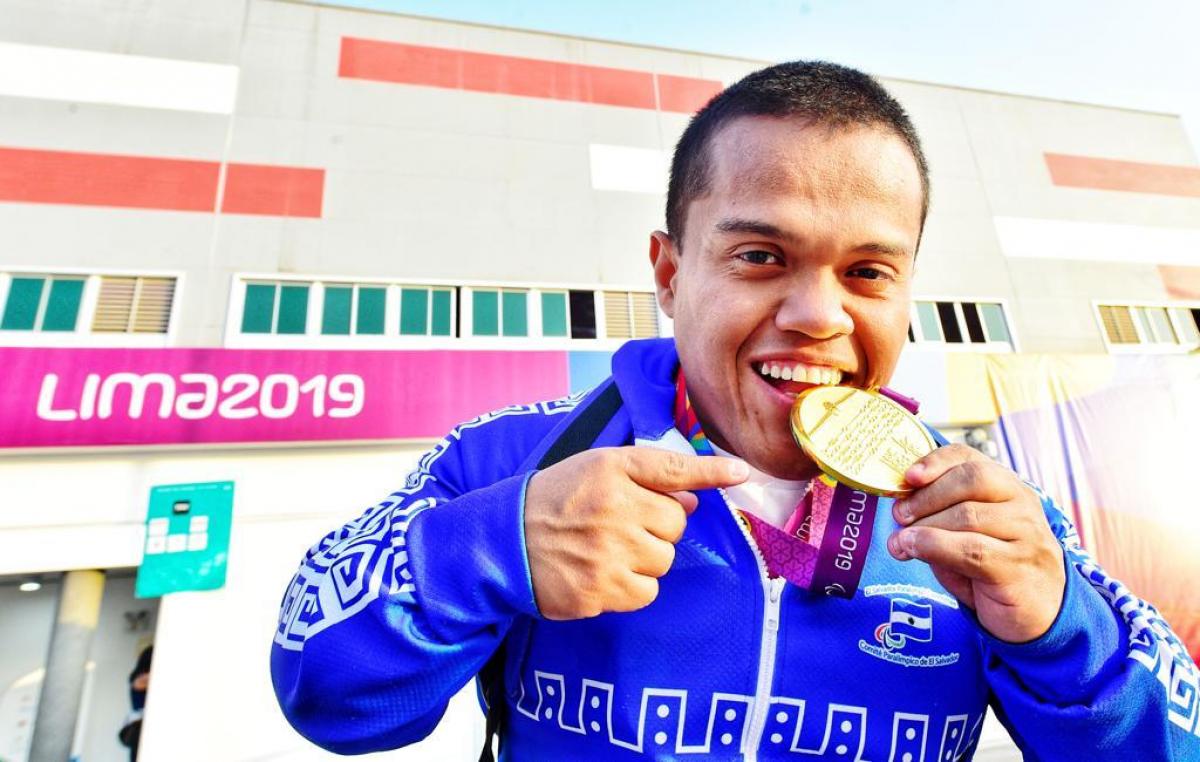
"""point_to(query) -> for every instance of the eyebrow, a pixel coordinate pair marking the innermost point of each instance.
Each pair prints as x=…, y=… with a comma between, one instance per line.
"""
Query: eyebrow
x=740, y=225
x=883, y=249
x=758, y=227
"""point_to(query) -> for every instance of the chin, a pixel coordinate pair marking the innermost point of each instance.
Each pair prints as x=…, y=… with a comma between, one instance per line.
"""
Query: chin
x=791, y=464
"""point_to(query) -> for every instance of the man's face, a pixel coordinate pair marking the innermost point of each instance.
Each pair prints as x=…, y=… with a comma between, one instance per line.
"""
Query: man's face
x=800, y=258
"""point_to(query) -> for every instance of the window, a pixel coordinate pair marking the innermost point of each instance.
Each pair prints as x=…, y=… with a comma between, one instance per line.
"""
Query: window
x=133, y=305
x=426, y=311
x=336, y=312
x=499, y=313
x=554, y=313
x=931, y=326
x=960, y=323
x=569, y=314
x=275, y=308
x=350, y=309
x=340, y=309
x=630, y=315
x=41, y=303
x=1150, y=326
x=583, y=314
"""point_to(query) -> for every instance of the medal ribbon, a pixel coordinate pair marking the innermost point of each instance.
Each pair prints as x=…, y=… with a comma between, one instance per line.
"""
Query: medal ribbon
x=823, y=545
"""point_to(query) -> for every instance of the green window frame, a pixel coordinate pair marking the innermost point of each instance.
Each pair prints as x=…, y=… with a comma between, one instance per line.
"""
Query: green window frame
x=353, y=309
x=369, y=312
x=442, y=309
x=278, y=308
x=499, y=312
x=31, y=306
x=426, y=311
x=931, y=324
x=414, y=311
x=485, y=312
x=994, y=322
x=335, y=315
x=555, y=320
x=258, y=308
x=293, y=310
x=514, y=308
x=960, y=323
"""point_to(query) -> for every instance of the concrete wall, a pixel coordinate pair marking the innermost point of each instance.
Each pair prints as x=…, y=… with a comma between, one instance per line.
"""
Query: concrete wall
x=211, y=696
x=429, y=182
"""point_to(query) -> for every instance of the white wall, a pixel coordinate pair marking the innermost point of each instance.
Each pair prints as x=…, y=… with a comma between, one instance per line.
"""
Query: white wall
x=82, y=510
x=211, y=696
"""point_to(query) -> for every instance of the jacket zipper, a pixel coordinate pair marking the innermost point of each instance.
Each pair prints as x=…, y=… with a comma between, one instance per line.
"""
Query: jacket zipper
x=772, y=594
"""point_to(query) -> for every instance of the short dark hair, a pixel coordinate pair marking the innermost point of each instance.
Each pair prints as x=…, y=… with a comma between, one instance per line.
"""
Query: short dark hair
x=817, y=91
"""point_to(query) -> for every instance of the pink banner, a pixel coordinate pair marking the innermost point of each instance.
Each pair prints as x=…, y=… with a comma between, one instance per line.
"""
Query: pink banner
x=89, y=397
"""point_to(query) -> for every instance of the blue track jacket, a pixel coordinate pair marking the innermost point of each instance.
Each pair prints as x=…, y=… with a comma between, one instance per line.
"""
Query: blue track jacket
x=389, y=616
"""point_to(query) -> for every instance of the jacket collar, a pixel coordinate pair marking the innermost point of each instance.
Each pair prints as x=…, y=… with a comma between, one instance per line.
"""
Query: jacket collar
x=644, y=372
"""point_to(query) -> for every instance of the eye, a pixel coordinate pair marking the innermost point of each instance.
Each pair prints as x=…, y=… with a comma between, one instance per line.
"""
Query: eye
x=869, y=273
x=760, y=257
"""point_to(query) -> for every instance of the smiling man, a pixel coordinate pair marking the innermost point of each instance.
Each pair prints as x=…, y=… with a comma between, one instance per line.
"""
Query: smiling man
x=620, y=593
x=794, y=252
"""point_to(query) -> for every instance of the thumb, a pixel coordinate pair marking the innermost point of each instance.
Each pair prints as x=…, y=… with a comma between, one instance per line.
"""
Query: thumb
x=688, y=500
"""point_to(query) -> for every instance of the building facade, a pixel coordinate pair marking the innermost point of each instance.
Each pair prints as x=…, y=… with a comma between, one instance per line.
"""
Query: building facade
x=288, y=245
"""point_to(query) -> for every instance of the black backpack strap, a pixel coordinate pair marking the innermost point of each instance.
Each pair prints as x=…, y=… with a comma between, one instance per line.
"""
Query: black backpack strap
x=577, y=437
x=582, y=432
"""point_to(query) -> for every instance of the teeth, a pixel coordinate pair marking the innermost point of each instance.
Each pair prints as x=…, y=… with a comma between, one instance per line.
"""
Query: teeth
x=805, y=374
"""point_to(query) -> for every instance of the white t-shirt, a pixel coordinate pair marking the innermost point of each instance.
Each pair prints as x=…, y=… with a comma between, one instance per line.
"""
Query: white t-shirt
x=770, y=499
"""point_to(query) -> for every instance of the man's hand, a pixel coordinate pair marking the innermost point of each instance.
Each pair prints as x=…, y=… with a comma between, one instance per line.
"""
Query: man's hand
x=983, y=532
x=601, y=526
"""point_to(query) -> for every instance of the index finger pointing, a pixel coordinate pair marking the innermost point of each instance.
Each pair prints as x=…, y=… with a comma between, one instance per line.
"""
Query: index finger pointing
x=664, y=471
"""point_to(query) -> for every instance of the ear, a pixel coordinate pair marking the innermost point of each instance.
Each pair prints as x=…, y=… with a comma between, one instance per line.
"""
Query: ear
x=664, y=258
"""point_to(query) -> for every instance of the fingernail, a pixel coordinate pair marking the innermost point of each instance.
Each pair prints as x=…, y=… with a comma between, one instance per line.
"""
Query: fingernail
x=903, y=512
x=915, y=470
x=908, y=541
x=738, y=469
x=893, y=543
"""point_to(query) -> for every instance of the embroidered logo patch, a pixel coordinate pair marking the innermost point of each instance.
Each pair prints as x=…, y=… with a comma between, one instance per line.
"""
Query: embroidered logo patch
x=907, y=637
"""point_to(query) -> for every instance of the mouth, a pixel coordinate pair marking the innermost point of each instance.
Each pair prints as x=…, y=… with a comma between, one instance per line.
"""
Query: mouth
x=789, y=378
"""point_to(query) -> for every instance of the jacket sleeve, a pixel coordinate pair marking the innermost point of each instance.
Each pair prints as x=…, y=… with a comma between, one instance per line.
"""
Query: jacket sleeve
x=1108, y=681
x=389, y=616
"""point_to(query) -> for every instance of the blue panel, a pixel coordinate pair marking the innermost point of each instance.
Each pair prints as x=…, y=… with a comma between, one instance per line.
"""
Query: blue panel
x=586, y=369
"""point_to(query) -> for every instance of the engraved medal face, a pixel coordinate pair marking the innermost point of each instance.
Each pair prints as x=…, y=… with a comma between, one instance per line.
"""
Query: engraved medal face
x=860, y=438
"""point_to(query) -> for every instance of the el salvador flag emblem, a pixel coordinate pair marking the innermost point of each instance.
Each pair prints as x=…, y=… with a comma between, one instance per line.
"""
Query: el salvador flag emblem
x=908, y=621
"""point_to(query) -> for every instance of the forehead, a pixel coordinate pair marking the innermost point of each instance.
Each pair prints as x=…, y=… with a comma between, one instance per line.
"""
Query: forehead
x=756, y=157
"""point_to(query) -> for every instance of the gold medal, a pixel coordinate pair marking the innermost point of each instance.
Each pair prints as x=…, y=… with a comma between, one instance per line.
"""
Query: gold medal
x=860, y=438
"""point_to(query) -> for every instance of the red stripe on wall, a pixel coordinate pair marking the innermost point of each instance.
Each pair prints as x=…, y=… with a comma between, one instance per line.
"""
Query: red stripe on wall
x=279, y=191
x=147, y=182
x=1114, y=174
x=685, y=95
x=64, y=177
x=1181, y=282
x=487, y=73
x=382, y=61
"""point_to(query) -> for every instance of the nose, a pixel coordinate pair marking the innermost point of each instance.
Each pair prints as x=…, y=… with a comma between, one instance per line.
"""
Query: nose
x=814, y=306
